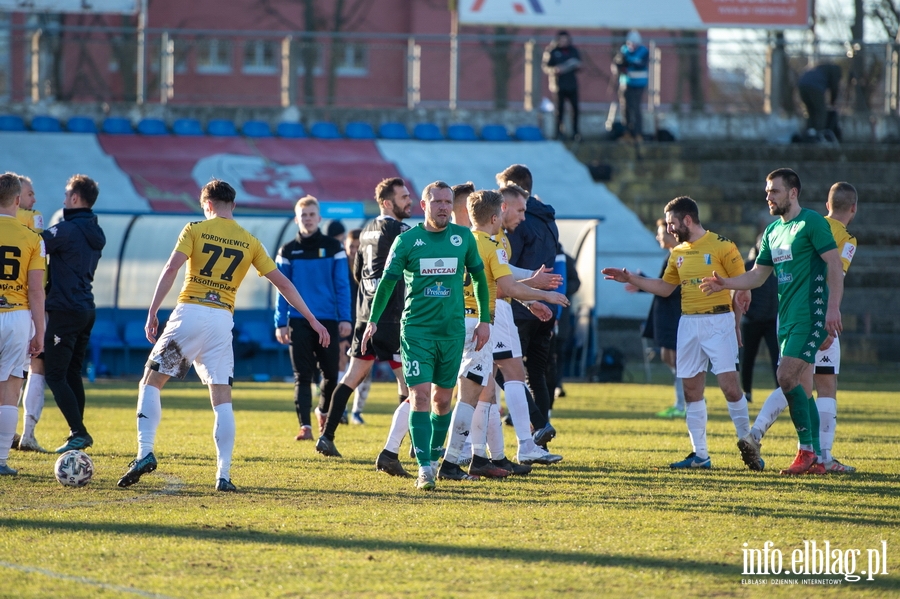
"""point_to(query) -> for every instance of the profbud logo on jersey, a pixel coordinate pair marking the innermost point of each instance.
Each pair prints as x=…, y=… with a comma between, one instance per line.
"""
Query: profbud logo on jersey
x=437, y=266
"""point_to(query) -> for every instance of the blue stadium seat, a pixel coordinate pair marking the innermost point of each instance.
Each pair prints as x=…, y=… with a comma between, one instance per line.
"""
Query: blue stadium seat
x=256, y=129
x=81, y=124
x=461, y=132
x=187, y=127
x=11, y=122
x=529, y=133
x=494, y=133
x=393, y=131
x=291, y=130
x=152, y=127
x=359, y=130
x=427, y=132
x=46, y=124
x=221, y=128
x=259, y=332
x=116, y=125
x=103, y=336
x=324, y=130
x=134, y=335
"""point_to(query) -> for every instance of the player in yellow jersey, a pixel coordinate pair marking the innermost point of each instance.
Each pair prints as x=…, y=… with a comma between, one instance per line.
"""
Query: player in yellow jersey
x=841, y=205
x=21, y=308
x=218, y=252
x=709, y=326
x=484, y=208
x=33, y=396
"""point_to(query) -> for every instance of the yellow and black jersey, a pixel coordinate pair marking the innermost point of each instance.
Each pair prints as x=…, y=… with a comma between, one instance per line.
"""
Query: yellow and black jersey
x=496, y=265
x=21, y=251
x=846, y=243
x=32, y=219
x=219, y=253
x=689, y=263
x=504, y=241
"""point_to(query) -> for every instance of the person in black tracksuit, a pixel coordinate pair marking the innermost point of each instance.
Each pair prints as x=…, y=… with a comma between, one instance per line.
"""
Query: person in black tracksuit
x=74, y=247
x=561, y=62
x=760, y=322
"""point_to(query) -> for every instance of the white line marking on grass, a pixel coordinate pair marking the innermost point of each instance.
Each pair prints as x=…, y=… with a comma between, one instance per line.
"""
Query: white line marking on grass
x=82, y=580
x=173, y=486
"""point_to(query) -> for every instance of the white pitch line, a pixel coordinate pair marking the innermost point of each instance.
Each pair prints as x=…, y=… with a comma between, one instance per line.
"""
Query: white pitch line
x=83, y=580
x=173, y=486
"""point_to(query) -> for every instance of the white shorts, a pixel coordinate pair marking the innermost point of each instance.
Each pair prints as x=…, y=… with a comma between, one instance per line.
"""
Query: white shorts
x=16, y=331
x=504, y=333
x=477, y=365
x=829, y=361
x=705, y=338
x=197, y=335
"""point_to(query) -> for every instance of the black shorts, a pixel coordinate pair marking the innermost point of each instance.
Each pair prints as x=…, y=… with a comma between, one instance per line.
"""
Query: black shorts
x=384, y=345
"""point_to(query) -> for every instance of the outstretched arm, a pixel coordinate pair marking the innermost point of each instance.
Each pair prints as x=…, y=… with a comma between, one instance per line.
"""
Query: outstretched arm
x=654, y=286
x=517, y=290
x=163, y=285
x=751, y=279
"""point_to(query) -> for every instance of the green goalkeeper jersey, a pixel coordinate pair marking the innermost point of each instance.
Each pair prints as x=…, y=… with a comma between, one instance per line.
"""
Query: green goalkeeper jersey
x=794, y=249
x=433, y=266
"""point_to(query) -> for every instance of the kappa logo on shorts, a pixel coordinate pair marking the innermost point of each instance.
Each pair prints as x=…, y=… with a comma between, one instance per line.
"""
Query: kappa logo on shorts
x=819, y=302
x=478, y=368
x=807, y=354
x=819, y=312
x=56, y=339
x=826, y=360
x=811, y=344
x=816, y=334
x=819, y=290
x=820, y=278
x=437, y=266
x=500, y=345
x=418, y=243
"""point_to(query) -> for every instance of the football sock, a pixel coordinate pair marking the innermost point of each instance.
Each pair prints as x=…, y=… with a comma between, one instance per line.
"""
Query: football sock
x=440, y=424
x=517, y=404
x=679, y=392
x=223, y=433
x=771, y=409
x=9, y=418
x=740, y=416
x=460, y=429
x=827, y=408
x=420, y=433
x=362, y=394
x=338, y=402
x=399, y=427
x=495, y=433
x=696, y=424
x=798, y=404
x=479, y=429
x=33, y=403
x=149, y=414
x=814, y=426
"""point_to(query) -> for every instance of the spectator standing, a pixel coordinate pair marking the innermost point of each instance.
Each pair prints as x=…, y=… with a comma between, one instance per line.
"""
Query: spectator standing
x=561, y=62
x=634, y=62
x=813, y=85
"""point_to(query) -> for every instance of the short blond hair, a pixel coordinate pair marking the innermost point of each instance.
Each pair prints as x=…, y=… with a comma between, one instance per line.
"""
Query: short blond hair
x=307, y=201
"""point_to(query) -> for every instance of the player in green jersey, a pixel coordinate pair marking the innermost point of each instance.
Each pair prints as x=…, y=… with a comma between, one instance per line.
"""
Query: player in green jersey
x=801, y=249
x=433, y=259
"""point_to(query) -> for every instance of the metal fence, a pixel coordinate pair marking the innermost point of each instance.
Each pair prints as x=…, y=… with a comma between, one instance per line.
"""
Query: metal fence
x=689, y=72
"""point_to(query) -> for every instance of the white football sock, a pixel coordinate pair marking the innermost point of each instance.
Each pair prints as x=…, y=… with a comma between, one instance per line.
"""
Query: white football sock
x=740, y=416
x=827, y=423
x=9, y=418
x=33, y=403
x=362, y=394
x=399, y=427
x=479, y=429
x=495, y=433
x=774, y=405
x=460, y=429
x=696, y=424
x=517, y=404
x=223, y=433
x=679, y=393
x=149, y=414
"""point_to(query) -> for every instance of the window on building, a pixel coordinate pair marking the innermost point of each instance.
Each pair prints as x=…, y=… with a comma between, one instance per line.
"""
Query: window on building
x=309, y=52
x=353, y=60
x=214, y=56
x=261, y=57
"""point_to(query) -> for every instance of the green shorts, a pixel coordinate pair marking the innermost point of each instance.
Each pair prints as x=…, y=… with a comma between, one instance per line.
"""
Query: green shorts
x=433, y=361
x=802, y=340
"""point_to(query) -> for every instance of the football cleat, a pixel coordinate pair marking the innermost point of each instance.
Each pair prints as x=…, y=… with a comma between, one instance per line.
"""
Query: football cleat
x=672, y=412
x=356, y=418
x=326, y=447
x=513, y=468
x=425, y=480
x=15, y=441
x=835, y=467
x=538, y=456
x=802, y=463
x=305, y=433
x=137, y=468
x=692, y=461
x=81, y=442
x=388, y=465
x=7, y=471
x=749, y=447
x=544, y=435
x=225, y=485
x=817, y=468
x=483, y=467
x=451, y=471
x=30, y=444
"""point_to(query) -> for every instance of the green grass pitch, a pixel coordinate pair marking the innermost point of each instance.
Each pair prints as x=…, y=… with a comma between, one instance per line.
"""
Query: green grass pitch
x=610, y=521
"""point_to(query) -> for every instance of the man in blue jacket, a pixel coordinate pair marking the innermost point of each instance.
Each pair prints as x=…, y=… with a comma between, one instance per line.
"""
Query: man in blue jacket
x=634, y=71
x=74, y=247
x=317, y=266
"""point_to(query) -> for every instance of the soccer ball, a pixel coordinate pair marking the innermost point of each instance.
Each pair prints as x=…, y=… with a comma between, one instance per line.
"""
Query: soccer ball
x=74, y=469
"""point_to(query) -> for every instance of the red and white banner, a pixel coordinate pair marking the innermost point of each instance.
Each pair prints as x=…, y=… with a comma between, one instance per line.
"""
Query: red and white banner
x=637, y=14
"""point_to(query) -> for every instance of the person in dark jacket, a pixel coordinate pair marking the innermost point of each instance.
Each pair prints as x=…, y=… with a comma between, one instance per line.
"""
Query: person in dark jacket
x=74, y=247
x=533, y=246
x=561, y=62
x=760, y=322
x=633, y=64
x=813, y=85
x=317, y=265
